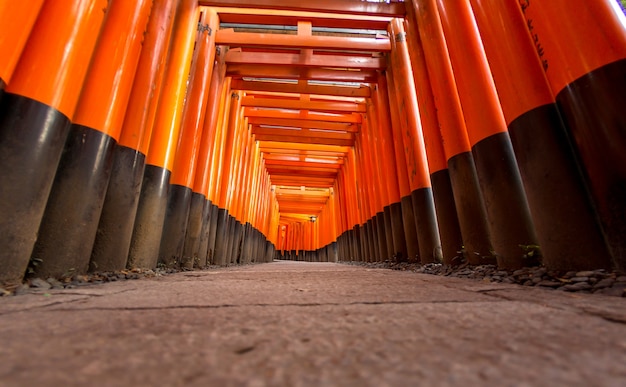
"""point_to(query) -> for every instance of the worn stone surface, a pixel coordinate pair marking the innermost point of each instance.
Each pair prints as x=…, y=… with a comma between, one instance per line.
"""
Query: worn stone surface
x=311, y=324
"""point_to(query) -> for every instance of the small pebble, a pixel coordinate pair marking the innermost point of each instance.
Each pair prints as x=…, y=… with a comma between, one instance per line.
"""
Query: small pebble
x=605, y=283
x=550, y=284
x=621, y=278
x=586, y=273
x=39, y=283
x=580, y=279
x=577, y=287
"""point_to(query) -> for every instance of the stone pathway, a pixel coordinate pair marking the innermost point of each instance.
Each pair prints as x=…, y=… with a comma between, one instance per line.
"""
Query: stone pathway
x=311, y=324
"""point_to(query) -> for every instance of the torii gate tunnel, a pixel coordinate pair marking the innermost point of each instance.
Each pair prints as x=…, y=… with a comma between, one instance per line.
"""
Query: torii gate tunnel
x=193, y=133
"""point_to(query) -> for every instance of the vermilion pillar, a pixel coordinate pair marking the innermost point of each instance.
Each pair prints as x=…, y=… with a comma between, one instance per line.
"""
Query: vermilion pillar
x=203, y=211
x=16, y=23
x=419, y=176
x=510, y=223
x=468, y=198
x=217, y=158
x=567, y=229
x=447, y=218
x=68, y=228
x=379, y=142
x=148, y=225
x=582, y=48
x=35, y=115
x=225, y=228
x=381, y=98
x=122, y=197
x=401, y=148
x=181, y=192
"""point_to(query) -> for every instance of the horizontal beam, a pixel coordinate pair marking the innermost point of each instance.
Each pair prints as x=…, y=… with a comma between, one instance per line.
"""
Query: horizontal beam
x=316, y=42
x=299, y=88
x=291, y=18
x=345, y=118
x=302, y=164
x=304, y=124
x=305, y=140
x=298, y=147
x=324, y=106
x=349, y=7
x=297, y=60
x=281, y=158
x=282, y=72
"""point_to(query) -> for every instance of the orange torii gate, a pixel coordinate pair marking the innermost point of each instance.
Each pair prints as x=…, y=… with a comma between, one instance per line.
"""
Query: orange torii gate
x=194, y=132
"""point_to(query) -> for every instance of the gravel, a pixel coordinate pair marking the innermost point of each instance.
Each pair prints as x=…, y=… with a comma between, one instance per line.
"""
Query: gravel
x=37, y=285
x=601, y=281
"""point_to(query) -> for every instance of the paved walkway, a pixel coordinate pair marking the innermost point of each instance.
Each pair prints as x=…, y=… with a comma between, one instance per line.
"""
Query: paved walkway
x=311, y=324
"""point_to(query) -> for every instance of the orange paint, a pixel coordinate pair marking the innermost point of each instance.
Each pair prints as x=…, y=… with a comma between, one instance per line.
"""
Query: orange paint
x=144, y=97
x=433, y=141
x=16, y=23
x=381, y=105
x=209, y=131
x=109, y=81
x=217, y=154
x=517, y=70
x=229, y=149
x=189, y=144
x=54, y=63
x=398, y=139
x=168, y=118
x=249, y=39
x=573, y=38
x=443, y=82
x=481, y=106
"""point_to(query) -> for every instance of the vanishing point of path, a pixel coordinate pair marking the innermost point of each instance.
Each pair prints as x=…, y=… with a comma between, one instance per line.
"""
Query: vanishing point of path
x=311, y=324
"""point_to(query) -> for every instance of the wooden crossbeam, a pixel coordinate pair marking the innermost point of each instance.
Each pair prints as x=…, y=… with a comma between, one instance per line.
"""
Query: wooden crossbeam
x=299, y=147
x=345, y=7
x=282, y=72
x=301, y=88
x=316, y=116
x=323, y=106
x=297, y=60
x=285, y=157
x=292, y=18
x=304, y=124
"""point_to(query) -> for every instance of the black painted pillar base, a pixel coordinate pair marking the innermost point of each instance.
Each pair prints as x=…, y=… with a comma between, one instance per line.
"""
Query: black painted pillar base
x=148, y=227
x=447, y=218
x=361, y=236
x=569, y=234
x=470, y=208
x=191, y=249
x=349, y=244
x=32, y=136
x=410, y=233
x=369, y=241
x=593, y=109
x=426, y=225
x=213, y=216
x=175, y=227
x=379, y=220
x=510, y=223
x=70, y=222
x=203, y=244
x=400, y=253
x=270, y=250
x=388, y=233
x=334, y=252
x=115, y=230
x=221, y=241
